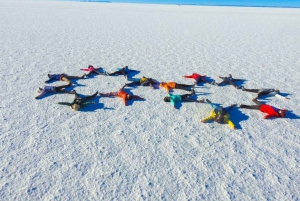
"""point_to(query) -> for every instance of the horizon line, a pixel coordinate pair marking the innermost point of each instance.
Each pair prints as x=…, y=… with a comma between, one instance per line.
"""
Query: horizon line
x=187, y=4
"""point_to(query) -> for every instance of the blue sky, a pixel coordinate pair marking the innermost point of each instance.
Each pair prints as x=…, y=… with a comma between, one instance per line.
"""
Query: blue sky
x=280, y=3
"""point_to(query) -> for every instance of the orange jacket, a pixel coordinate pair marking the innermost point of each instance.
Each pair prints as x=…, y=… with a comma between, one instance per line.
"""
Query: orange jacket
x=122, y=94
x=168, y=85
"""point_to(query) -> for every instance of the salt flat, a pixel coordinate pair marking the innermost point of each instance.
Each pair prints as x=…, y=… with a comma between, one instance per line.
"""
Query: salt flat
x=147, y=150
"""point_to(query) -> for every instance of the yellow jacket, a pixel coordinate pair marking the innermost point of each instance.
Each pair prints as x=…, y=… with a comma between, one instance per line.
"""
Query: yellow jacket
x=225, y=118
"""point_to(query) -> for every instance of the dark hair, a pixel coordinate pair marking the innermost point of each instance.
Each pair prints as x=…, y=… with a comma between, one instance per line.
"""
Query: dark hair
x=129, y=97
x=167, y=99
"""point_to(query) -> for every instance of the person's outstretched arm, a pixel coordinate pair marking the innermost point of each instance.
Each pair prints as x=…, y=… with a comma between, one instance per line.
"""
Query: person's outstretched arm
x=64, y=103
x=221, y=77
x=229, y=122
x=85, y=69
x=188, y=76
x=208, y=118
x=125, y=101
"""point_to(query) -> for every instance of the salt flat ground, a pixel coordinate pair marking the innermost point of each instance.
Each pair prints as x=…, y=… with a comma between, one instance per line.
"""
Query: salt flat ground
x=147, y=150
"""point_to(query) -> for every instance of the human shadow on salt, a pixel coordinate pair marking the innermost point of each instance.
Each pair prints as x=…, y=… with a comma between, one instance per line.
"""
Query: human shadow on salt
x=268, y=96
x=132, y=73
x=178, y=105
x=94, y=107
x=130, y=102
x=291, y=115
x=236, y=116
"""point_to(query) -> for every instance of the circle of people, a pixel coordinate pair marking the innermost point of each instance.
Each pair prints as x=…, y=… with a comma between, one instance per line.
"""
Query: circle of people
x=219, y=113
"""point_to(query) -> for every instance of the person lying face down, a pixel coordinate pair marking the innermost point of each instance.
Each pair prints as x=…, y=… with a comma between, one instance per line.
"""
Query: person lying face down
x=62, y=77
x=271, y=111
x=219, y=114
x=79, y=102
x=174, y=85
x=173, y=98
x=198, y=78
x=263, y=92
x=92, y=70
x=144, y=81
x=53, y=89
x=122, y=94
x=228, y=80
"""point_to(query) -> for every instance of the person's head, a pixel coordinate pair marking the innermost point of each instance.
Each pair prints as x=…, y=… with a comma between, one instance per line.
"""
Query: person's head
x=162, y=83
x=75, y=107
x=91, y=66
x=277, y=90
x=282, y=113
x=219, y=119
x=167, y=99
x=128, y=97
x=49, y=75
x=39, y=90
x=229, y=75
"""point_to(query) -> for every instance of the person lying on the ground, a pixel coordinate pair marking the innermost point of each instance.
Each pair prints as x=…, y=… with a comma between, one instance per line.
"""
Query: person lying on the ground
x=79, y=102
x=62, y=77
x=198, y=78
x=173, y=98
x=174, y=85
x=53, y=89
x=122, y=94
x=121, y=71
x=228, y=80
x=265, y=108
x=219, y=114
x=262, y=92
x=144, y=81
x=92, y=70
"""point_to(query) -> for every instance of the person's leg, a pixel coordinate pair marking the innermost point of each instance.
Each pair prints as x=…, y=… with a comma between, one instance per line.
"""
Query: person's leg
x=186, y=98
x=136, y=97
x=255, y=107
x=250, y=90
x=90, y=97
x=133, y=84
x=119, y=72
x=109, y=94
x=133, y=79
x=74, y=77
x=230, y=107
x=183, y=87
x=61, y=89
x=223, y=82
x=262, y=93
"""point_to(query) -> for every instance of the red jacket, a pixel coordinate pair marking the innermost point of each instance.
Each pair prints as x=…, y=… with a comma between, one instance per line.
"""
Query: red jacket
x=194, y=76
x=270, y=110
